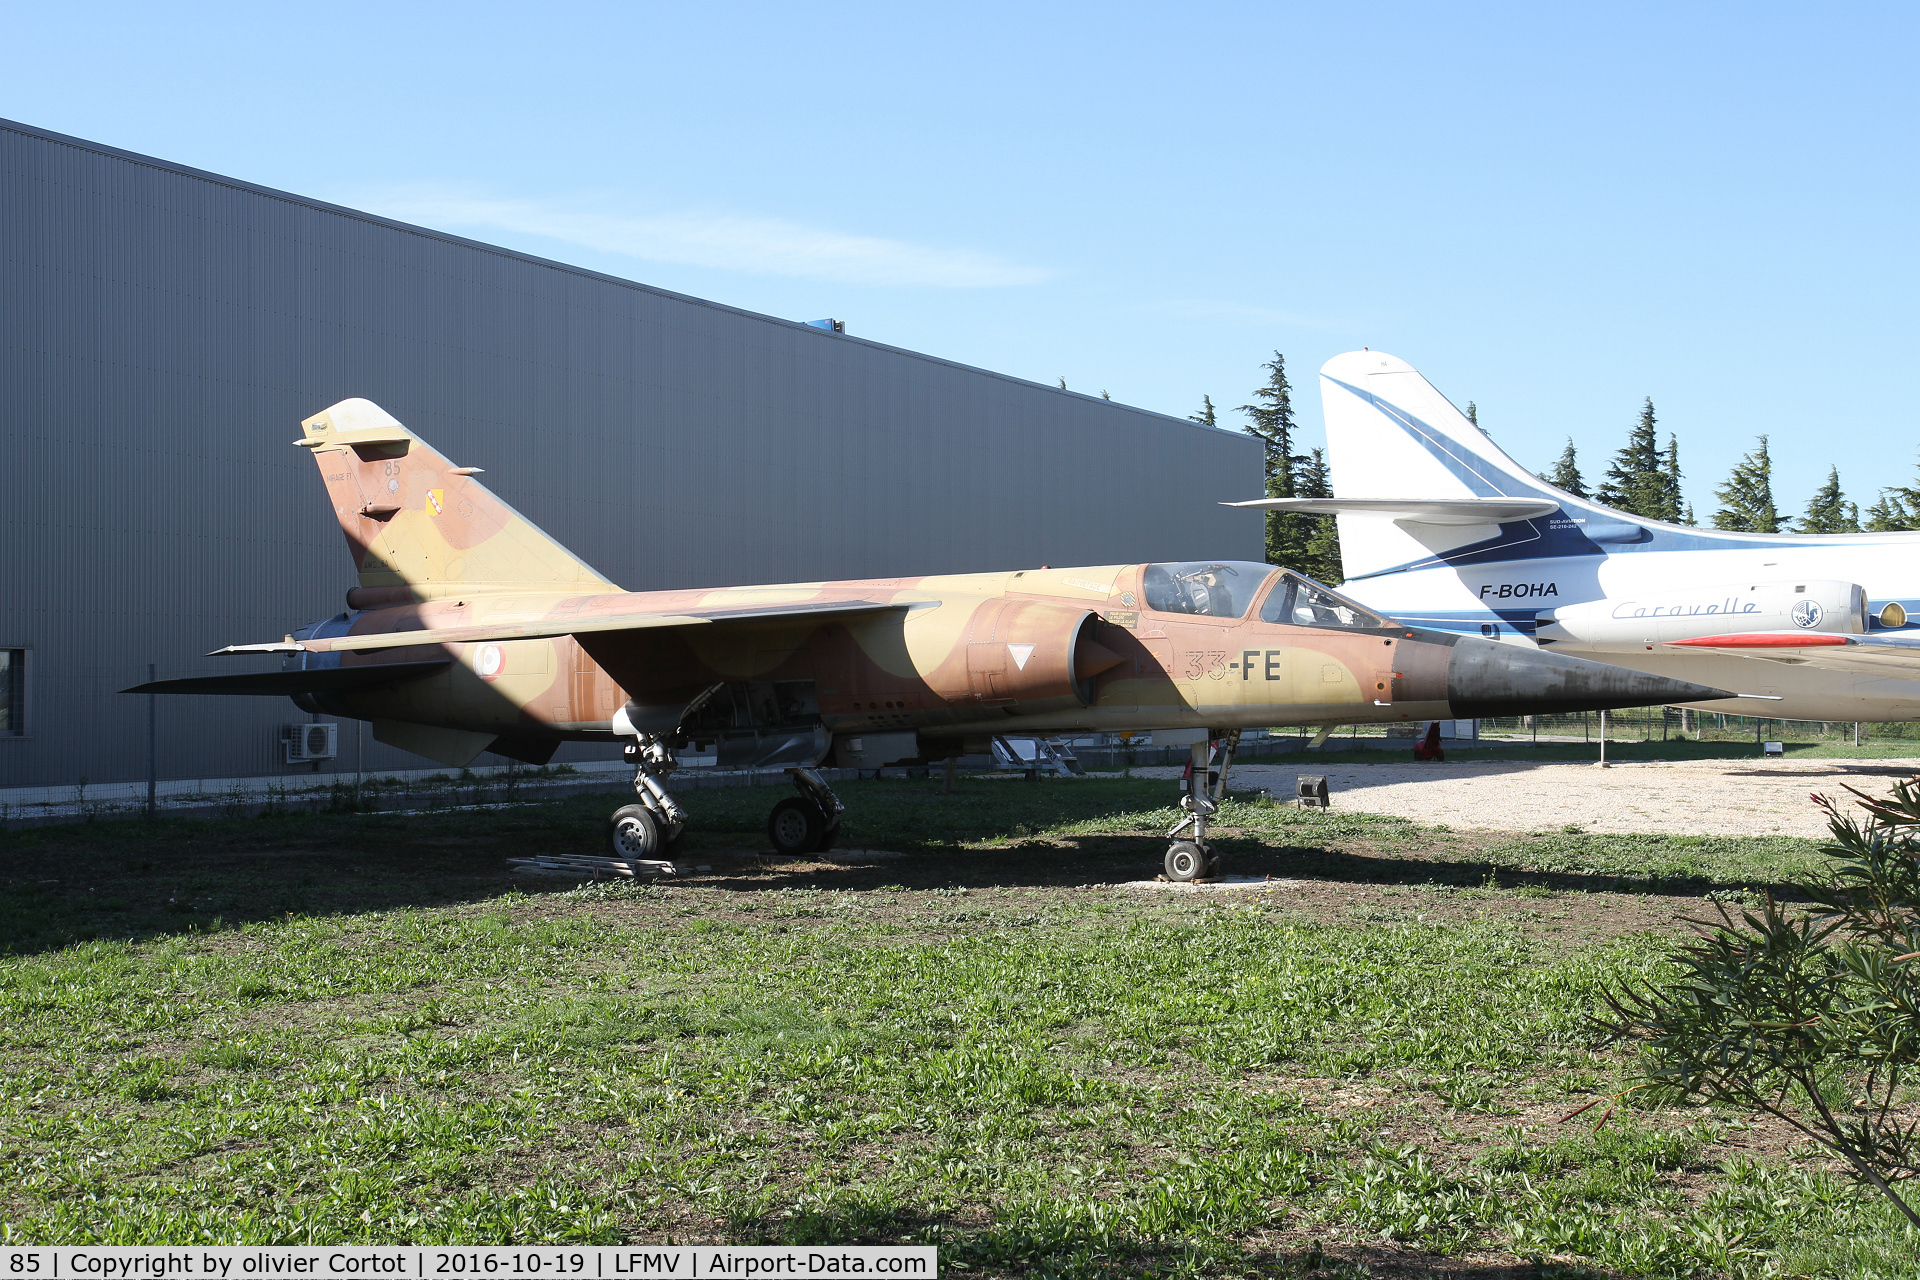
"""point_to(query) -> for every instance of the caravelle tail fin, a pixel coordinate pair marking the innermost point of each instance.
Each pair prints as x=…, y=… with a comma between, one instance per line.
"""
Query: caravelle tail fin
x=1410, y=472
x=420, y=527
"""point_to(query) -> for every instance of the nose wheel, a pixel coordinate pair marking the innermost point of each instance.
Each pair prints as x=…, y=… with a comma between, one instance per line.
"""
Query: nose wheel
x=1190, y=857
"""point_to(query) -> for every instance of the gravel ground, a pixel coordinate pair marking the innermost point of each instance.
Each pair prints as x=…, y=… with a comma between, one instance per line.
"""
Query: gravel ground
x=1695, y=797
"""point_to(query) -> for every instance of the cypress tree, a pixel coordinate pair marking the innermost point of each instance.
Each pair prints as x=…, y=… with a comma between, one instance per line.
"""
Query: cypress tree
x=1273, y=426
x=1746, y=499
x=1673, y=483
x=1896, y=510
x=1644, y=479
x=1206, y=416
x=1566, y=472
x=1828, y=511
x=1889, y=514
x=1320, y=545
x=1473, y=413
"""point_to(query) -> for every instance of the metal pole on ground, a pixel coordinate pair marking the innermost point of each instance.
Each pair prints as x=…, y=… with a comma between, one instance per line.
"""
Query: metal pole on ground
x=1603, y=740
x=153, y=758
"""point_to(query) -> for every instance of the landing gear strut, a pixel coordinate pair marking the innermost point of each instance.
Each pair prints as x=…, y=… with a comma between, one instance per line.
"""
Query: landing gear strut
x=1191, y=858
x=650, y=830
x=808, y=822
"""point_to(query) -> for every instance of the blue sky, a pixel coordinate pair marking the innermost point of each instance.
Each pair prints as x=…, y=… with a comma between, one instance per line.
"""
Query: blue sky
x=1551, y=210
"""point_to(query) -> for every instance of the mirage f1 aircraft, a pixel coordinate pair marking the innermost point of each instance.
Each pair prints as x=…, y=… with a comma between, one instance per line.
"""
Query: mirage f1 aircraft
x=1441, y=529
x=471, y=631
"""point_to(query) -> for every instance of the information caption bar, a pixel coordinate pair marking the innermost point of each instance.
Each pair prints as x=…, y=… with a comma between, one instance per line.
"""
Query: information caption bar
x=299, y=1262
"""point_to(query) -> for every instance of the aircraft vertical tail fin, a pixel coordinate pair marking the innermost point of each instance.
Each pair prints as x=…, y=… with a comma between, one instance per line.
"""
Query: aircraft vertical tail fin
x=421, y=527
x=1392, y=436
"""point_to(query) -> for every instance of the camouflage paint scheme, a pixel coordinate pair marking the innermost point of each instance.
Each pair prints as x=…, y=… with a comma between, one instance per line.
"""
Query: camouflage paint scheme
x=536, y=647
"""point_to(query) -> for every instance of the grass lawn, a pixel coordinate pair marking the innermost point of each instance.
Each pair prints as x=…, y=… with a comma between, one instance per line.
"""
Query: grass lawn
x=362, y=1027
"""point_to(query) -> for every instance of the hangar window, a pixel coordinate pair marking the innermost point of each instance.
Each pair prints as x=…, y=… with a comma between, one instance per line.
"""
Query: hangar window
x=13, y=692
x=1216, y=588
x=1301, y=602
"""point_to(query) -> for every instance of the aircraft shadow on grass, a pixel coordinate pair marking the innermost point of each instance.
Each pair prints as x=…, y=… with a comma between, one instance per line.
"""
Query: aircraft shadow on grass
x=51, y=897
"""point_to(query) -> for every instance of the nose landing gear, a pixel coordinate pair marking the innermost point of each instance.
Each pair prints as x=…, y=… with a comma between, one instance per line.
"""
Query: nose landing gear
x=1191, y=858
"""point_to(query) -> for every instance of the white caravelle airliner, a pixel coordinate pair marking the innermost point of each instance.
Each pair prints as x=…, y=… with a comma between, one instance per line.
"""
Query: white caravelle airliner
x=1440, y=528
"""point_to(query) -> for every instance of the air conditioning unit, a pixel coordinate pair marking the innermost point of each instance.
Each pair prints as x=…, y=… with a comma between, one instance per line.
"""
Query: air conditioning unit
x=307, y=742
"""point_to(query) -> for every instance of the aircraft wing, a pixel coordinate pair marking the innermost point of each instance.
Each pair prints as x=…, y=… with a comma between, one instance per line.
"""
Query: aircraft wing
x=1891, y=654
x=1414, y=510
x=563, y=625
x=288, y=683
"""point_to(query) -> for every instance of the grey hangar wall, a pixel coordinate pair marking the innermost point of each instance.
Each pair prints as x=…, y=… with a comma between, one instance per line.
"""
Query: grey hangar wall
x=163, y=331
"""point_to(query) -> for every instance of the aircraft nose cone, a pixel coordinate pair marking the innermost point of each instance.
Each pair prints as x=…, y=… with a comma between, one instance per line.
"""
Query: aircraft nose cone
x=1487, y=678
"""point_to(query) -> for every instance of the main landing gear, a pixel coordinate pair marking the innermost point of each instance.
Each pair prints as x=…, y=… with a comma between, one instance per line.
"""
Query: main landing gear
x=808, y=822
x=651, y=830
x=1190, y=857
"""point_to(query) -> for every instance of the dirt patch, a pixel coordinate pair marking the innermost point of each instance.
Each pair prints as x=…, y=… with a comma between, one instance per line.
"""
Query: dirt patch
x=1693, y=797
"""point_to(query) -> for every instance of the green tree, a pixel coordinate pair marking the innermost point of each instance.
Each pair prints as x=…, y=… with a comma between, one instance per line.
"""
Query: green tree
x=1897, y=509
x=1320, y=548
x=1644, y=478
x=1679, y=516
x=1473, y=413
x=1746, y=499
x=1205, y=417
x=1828, y=511
x=1273, y=426
x=1890, y=514
x=1566, y=472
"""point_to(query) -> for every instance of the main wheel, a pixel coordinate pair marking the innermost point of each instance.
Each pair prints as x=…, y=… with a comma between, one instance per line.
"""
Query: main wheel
x=632, y=833
x=1186, y=862
x=794, y=827
x=829, y=836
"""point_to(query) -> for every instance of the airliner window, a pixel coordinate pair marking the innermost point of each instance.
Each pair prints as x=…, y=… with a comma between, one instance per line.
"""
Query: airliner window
x=1215, y=588
x=1300, y=602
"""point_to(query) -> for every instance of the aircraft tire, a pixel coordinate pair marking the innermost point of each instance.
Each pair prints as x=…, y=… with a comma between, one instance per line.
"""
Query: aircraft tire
x=795, y=827
x=829, y=836
x=633, y=832
x=1186, y=862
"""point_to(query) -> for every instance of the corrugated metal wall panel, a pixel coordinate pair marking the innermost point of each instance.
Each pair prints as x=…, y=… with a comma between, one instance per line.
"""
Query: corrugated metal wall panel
x=162, y=332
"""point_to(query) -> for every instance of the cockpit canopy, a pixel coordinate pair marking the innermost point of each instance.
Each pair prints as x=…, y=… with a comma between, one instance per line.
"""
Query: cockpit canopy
x=1227, y=589
x=1215, y=588
x=1301, y=602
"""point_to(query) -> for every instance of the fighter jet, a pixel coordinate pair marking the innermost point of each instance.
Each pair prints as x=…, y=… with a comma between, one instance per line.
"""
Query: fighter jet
x=1440, y=527
x=471, y=630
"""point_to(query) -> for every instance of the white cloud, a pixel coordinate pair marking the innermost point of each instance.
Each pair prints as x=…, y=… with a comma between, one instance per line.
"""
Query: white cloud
x=768, y=246
x=1244, y=313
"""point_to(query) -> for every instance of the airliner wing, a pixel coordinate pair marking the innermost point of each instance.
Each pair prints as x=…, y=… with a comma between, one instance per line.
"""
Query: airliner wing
x=1889, y=654
x=1414, y=510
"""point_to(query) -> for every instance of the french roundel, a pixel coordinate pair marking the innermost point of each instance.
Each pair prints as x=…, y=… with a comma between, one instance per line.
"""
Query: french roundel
x=488, y=661
x=1806, y=613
